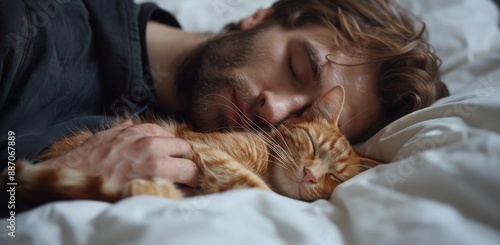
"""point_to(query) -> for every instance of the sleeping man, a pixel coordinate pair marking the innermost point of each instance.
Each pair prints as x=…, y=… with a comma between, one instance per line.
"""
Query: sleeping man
x=72, y=64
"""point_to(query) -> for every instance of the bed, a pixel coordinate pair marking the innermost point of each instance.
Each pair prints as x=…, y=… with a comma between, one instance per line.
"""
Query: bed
x=442, y=185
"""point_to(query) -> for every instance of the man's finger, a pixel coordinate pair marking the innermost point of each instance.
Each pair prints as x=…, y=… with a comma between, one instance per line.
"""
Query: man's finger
x=151, y=129
x=125, y=124
x=179, y=170
x=171, y=146
x=100, y=137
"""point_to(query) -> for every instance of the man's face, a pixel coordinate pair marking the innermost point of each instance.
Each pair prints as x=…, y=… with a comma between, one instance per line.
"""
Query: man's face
x=268, y=74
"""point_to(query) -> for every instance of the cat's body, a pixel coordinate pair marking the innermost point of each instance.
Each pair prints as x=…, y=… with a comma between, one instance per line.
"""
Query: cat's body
x=302, y=158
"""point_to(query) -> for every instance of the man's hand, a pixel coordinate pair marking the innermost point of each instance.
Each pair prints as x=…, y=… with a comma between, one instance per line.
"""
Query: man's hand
x=127, y=151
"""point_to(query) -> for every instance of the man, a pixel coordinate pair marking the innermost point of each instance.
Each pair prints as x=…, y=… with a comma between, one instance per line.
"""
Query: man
x=71, y=64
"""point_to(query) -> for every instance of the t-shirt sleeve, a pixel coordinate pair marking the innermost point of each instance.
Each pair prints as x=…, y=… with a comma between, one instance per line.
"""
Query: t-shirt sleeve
x=24, y=56
x=15, y=34
x=14, y=38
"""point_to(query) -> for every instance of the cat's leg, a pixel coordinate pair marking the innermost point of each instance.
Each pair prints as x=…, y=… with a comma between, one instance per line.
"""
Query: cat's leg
x=220, y=172
x=156, y=187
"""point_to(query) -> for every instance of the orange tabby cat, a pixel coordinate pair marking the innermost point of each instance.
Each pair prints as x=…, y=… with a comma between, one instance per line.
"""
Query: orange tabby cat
x=304, y=158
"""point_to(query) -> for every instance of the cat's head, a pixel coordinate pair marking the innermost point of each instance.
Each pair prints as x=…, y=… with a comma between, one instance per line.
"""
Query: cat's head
x=310, y=156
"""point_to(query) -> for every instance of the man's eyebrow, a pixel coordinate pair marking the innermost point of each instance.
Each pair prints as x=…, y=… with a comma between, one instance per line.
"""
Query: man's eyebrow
x=314, y=59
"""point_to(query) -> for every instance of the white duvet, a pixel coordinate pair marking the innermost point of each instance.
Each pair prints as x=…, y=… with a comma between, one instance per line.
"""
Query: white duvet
x=441, y=187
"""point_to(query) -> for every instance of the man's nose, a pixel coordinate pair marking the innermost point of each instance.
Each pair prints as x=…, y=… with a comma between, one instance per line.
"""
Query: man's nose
x=273, y=108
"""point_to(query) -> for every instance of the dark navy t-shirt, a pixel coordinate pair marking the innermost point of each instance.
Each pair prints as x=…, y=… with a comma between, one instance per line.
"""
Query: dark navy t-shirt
x=67, y=64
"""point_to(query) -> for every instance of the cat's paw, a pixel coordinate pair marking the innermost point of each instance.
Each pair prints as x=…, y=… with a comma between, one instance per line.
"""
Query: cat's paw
x=156, y=187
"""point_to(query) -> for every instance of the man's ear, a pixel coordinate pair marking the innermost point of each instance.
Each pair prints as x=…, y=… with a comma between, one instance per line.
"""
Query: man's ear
x=256, y=18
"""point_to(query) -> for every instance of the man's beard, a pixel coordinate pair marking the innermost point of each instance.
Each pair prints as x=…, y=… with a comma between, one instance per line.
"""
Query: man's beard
x=208, y=78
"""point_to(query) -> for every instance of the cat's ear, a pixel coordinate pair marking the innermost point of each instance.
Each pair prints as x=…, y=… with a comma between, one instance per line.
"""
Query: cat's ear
x=328, y=106
x=368, y=163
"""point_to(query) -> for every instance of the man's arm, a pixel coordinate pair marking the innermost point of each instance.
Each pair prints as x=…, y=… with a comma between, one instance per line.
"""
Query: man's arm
x=32, y=83
x=127, y=151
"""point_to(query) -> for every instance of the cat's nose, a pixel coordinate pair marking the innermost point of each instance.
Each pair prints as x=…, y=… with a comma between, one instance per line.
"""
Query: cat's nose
x=308, y=176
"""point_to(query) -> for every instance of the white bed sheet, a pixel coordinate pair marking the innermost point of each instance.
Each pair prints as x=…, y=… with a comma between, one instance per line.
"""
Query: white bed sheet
x=442, y=186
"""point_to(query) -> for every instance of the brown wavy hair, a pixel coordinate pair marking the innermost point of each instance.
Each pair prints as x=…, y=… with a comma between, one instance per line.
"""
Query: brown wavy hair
x=385, y=34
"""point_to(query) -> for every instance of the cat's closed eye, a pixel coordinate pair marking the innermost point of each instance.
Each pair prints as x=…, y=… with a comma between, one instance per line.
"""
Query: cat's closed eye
x=333, y=176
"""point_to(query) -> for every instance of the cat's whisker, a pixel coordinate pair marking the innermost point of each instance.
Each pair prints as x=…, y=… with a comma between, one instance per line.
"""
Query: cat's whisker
x=248, y=124
x=286, y=183
x=270, y=141
x=285, y=157
x=225, y=128
x=278, y=159
x=282, y=165
x=244, y=118
x=275, y=146
x=286, y=152
x=313, y=192
x=278, y=153
x=284, y=161
x=357, y=115
x=274, y=129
